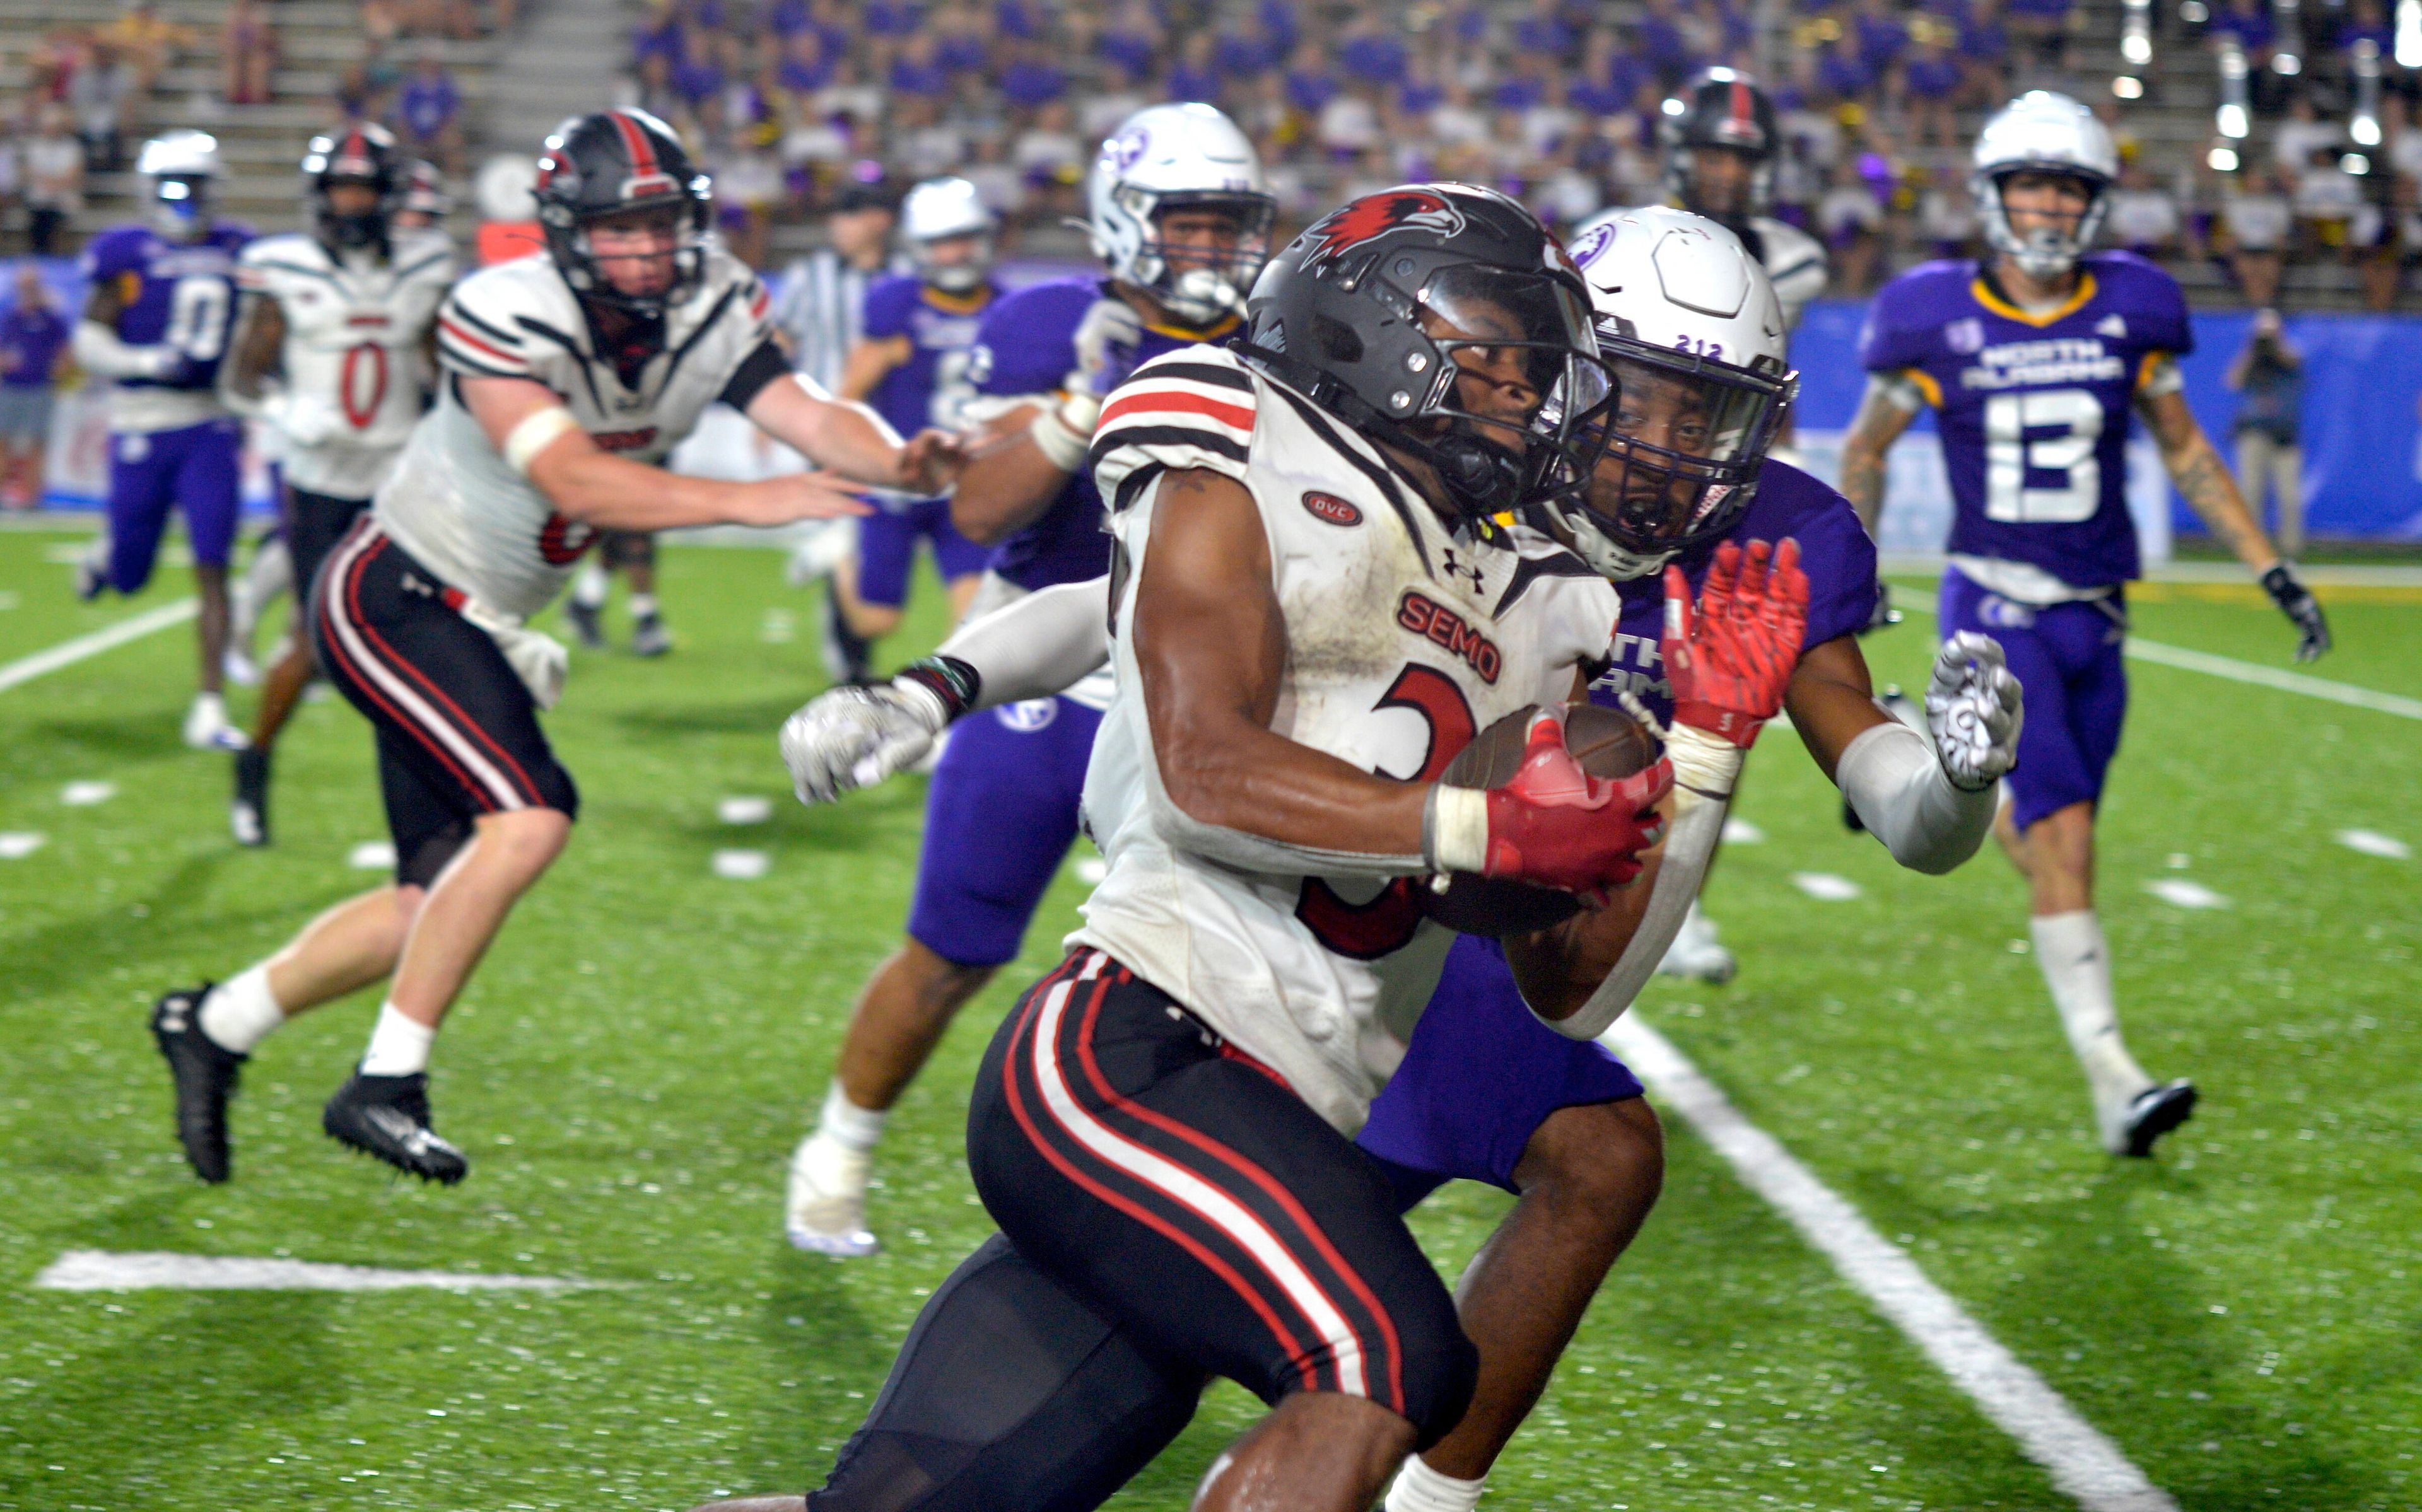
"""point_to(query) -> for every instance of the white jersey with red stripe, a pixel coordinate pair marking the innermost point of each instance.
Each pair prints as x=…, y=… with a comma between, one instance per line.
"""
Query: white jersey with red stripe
x=1406, y=635
x=454, y=503
x=356, y=362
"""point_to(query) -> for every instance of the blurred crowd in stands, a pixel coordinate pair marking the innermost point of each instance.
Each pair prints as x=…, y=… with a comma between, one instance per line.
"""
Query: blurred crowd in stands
x=1558, y=100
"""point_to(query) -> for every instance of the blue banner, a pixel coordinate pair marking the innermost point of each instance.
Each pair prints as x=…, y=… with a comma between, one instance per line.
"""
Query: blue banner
x=2362, y=427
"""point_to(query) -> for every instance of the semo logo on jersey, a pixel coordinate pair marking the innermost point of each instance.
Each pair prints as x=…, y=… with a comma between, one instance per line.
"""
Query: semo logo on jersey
x=1373, y=216
x=1435, y=622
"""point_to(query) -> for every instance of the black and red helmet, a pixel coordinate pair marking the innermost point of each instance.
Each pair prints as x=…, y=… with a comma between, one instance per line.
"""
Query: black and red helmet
x=363, y=153
x=1724, y=110
x=1353, y=313
x=609, y=163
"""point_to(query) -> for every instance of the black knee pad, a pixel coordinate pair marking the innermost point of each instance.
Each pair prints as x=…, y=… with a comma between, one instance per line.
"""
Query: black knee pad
x=1011, y=1395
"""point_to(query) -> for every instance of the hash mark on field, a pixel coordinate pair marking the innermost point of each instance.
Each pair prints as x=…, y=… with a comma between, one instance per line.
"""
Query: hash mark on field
x=1741, y=832
x=16, y=845
x=371, y=855
x=748, y=808
x=161, y=1269
x=67, y=653
x=779, y=628
x=742, y=865
x=2085, y=1466
x=86, y=794
x=2180, y=892
x=1824, y=886
x=2373, y=843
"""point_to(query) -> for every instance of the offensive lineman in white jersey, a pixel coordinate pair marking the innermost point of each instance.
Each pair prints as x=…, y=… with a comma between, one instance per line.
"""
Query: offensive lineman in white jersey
x=334, y=349
x=568, y=376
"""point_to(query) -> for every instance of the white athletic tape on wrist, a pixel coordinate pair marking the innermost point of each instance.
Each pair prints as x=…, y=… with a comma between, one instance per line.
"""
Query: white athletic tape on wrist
x=536, y=431
x=1456, y=829
x=1064, y=432
x=1702, y=762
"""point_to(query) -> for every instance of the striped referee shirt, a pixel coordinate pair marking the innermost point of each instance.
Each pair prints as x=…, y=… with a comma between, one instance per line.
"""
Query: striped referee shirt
x=822, y=310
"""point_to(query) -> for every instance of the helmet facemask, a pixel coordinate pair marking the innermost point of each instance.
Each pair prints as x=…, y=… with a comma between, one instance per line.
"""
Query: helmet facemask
x=181, y=205
x=683, y=214
x=1196, y=282
x=1508, y=389
x=2045, y=252
x=1678, y=462
x=963, y=276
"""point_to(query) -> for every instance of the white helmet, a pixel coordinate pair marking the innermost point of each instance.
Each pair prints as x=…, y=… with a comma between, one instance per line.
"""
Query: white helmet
x=945, y=209
x=1690, y=324
x=181, y=165
x=1172, y=157
x=502, y=188
x=2041, y=132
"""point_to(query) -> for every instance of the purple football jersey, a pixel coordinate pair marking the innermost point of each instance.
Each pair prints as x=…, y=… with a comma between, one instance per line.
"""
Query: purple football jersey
x=1027, y=345
x=1834, y=551
x=2033, y=410
x=940, y=328
x=181, y=293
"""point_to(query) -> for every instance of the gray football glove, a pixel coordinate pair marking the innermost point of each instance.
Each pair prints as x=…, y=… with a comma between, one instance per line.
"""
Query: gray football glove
x=857, y=737
x=1972, y=704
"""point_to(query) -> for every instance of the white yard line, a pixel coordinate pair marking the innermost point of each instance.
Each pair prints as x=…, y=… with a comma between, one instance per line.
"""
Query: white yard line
x=158, y=1270
x=2139, y=649
x=67, y=653
x=2085, y=1466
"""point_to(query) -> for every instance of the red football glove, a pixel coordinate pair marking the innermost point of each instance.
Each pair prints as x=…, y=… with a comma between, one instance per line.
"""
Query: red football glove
x=1730, y=661
x=1554, y=825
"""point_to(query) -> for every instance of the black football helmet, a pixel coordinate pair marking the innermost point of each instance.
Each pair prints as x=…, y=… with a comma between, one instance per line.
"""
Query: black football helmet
x=609, y=163
x=364, y=154
x=1726, y=111
x=1369, y=312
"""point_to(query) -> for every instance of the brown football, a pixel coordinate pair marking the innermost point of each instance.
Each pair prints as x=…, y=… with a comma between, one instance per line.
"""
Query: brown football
x=1606, y=742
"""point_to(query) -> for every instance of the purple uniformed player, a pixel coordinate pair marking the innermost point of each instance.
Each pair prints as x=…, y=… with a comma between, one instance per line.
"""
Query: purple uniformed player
x=1486, y=1090
x=163, y=294
x=2032, y=362
x=1181, y=221
x=916, y=335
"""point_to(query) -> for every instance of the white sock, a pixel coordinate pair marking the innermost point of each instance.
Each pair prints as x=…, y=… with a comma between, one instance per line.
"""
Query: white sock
x=240, y=1011
x=2077, y=966
x=642, y=605
x=1419, y=1488
x=847, y=1125
x=398, y=1046
x=588, y=588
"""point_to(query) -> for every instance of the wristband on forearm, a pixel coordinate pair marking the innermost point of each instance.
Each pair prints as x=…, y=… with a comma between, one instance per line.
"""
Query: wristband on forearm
x=1064, y=432
x=957, y=684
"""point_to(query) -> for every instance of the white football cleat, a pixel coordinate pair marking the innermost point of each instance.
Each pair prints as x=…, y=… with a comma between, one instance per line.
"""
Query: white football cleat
x=1695, y=954
x=239, y=668
x=207, y=728
x=823, y=548
x=825, y=1212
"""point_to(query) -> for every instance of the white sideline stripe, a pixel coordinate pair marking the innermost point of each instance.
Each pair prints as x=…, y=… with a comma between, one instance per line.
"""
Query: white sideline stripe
x=161, y=1269
x=2252, y=672
x=67, y=653
x=2085, y=1466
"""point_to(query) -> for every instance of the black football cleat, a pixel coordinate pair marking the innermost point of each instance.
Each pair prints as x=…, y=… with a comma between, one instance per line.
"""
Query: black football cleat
x=649, y=636
x=206, y=1073
x=387, y=1116
x=588, y=622
x=2155, y=1111
x=248, y=811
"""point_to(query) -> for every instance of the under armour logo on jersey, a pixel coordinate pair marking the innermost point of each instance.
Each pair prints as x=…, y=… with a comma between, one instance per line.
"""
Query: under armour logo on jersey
x=1455, y=569
x=2115, y=326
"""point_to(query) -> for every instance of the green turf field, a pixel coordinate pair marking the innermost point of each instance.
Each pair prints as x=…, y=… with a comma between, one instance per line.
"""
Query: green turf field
x=2242, y=1317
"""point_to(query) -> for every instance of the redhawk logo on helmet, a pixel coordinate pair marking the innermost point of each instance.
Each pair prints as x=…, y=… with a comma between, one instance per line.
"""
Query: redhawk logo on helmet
x=1375, y=215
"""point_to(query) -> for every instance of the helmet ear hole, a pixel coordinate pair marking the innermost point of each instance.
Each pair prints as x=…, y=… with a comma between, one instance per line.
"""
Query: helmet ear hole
x=1339, y=342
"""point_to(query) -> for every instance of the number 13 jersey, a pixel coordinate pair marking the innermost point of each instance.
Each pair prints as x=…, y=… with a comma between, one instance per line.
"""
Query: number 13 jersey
x=2034, y=408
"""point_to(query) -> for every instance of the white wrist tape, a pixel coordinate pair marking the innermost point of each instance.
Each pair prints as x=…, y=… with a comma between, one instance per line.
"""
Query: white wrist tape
x=536, y=431
x=1455, y=829
x=1064, y=432
x=98, y=350
x=1703, y=763
x=1896, y=783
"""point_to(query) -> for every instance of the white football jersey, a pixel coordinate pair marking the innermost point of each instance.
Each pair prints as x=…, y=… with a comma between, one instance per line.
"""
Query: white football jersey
x=1405, y=638
x=454, y=503
x=356, y=360
x=1795, y=261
